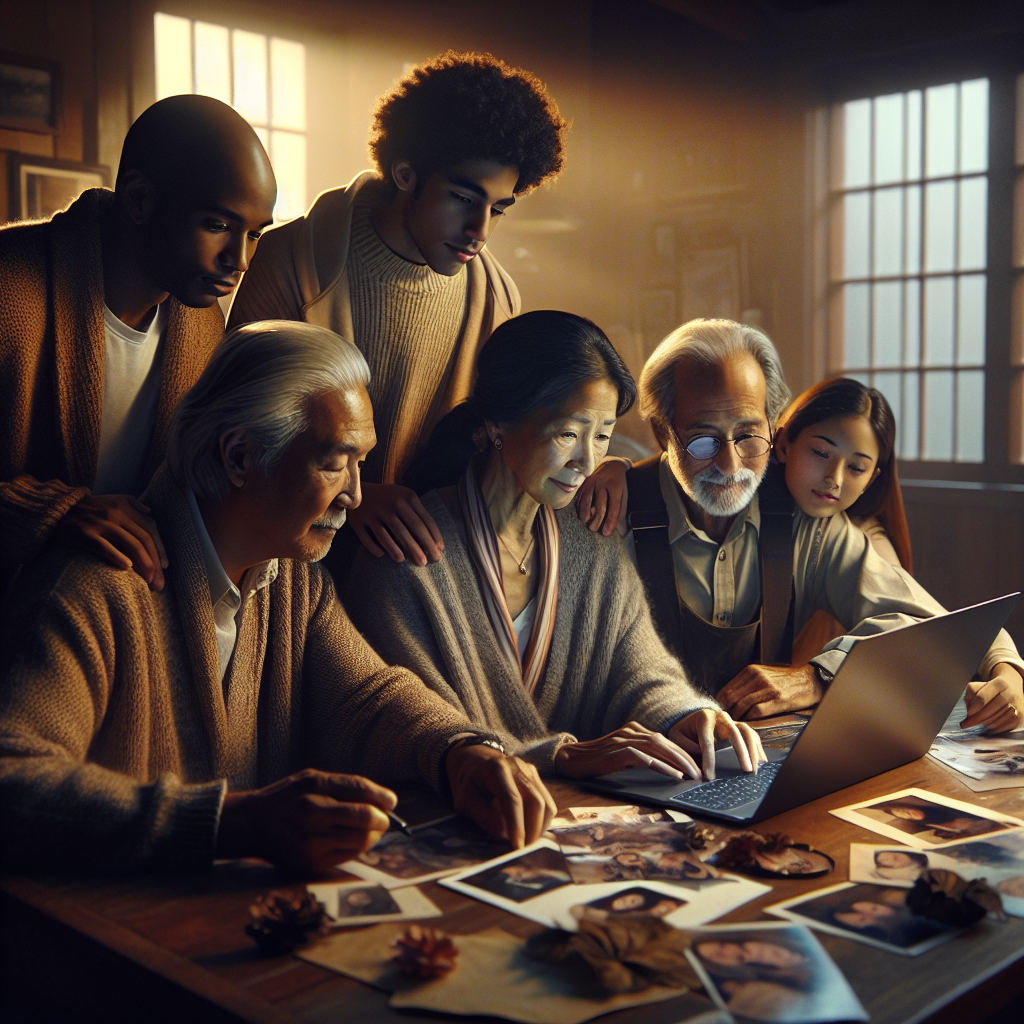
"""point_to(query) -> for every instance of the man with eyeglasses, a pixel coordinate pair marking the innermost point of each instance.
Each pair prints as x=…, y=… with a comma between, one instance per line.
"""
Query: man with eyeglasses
x=732, y=570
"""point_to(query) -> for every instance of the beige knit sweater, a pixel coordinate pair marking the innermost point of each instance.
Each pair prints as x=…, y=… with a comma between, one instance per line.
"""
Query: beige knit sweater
x=606, y=665
x=117, y=738
x=52, y=366
x=301, y=272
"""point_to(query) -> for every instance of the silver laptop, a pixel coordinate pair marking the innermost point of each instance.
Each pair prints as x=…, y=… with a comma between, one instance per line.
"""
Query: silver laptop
x=885, y=706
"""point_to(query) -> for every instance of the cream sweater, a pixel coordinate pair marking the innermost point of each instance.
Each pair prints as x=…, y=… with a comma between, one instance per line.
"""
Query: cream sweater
x=606, y=665
x=301, y=272
x=117, y=737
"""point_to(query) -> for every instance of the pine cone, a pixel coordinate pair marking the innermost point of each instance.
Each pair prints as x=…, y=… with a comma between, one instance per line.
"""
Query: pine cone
x=282, y=920
x=424, y=952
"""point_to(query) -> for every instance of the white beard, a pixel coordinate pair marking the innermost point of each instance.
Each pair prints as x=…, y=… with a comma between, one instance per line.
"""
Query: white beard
x=331, y=521
x=721, y=495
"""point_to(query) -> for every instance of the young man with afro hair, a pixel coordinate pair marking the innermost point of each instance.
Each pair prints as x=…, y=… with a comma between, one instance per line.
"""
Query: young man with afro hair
x=396, y=261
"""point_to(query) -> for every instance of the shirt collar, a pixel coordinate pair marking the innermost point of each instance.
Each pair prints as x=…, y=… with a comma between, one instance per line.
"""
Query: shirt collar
x=256, y=578
x=679, y=522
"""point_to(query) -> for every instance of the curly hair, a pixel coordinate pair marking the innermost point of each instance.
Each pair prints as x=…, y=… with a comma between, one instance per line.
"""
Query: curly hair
x=470, y=106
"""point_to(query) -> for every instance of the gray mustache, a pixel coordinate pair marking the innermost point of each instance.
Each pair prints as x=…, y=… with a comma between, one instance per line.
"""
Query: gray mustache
x=334, y=521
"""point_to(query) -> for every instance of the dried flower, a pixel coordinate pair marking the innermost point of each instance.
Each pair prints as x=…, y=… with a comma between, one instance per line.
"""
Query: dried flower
x=424, y=952
x=282, y=920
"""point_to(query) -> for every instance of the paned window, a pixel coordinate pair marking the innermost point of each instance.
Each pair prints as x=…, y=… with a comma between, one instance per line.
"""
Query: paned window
x=909, y=216
x=262, y=77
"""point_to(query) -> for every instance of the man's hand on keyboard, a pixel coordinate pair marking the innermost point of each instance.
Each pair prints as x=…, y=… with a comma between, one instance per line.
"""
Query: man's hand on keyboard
x=696, y=734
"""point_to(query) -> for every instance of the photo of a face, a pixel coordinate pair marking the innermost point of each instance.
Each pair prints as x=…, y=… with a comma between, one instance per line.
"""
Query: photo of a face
x=773, y=974
x=365, y=901
x=925, y=820
x=443, y=847
x=900, y=864
x=638, y=901
x=793, y=860
x=876, y=914
x=524, y=878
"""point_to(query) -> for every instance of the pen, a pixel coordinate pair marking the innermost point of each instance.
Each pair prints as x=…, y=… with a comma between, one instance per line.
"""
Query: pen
x=397, y=822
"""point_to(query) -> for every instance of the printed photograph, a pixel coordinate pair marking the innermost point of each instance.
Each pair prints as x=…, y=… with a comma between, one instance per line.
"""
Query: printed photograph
x=873, y=914
x=635, y=901
x=988, y=762
x=622, y=852
x=923, y=819
x=778, y=974
x=432, y=851
x=357, y=903
x=523, y=878
x=895, y=865
x=623, y=813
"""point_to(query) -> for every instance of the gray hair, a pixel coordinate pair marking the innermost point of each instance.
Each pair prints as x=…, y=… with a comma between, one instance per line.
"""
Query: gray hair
x=710, y=342
x=258, y=381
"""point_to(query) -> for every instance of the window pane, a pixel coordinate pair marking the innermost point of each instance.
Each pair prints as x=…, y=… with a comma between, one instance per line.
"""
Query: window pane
x=938, y=415
x=914, y=134
x=970, y=318
x=912, y=256
x=939, y=221
x=974, y=126
x=970, y=416
x=912, y=323
x=910, y=426
x=856, y=219
x=888, y=231
x=173, y=42
x=250, y=53
x=938, y=321
x=288, y=84
x=973, y=222
x=889, y=134
x=855, y=324
x=213, y=66
x=940, y=130
x=857, y=143
x=887, y=317
x=288, y=155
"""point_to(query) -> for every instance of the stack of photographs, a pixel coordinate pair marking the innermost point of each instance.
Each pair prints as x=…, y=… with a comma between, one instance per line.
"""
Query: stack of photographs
x=998, y=858
x=537, y=883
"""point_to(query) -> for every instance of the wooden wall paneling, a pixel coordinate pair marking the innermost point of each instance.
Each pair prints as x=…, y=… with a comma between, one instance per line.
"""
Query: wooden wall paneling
x=112, y=55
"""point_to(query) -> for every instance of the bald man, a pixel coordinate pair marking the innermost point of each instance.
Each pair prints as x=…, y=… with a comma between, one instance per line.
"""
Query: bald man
x=108, y=314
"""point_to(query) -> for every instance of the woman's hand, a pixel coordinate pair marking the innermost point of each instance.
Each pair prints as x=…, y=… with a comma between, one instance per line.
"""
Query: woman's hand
x=697, y=733
x=998, y=703
x=632, y=746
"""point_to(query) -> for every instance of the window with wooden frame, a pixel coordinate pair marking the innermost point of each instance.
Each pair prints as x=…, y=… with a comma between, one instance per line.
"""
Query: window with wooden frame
x=919, y=277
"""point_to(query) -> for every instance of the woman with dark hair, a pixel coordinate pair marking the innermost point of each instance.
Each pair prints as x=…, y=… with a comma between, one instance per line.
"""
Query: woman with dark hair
x=533, y=625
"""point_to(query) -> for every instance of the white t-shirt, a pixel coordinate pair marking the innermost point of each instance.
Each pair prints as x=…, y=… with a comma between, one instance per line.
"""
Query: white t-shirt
x=131, y=387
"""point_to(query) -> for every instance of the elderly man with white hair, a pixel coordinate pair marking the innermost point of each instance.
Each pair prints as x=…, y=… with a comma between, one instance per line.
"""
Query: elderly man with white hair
x=733, y=571
x=164, y=729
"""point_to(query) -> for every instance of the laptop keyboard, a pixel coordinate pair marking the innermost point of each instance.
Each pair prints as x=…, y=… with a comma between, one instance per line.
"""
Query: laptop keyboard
x=725, y=794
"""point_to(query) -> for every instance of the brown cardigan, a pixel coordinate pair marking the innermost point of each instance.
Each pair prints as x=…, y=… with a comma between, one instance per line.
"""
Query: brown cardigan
x=52, y=366
x=117, y=737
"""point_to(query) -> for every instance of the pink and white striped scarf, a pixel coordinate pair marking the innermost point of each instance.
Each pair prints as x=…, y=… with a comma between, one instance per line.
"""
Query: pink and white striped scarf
x=483, y=550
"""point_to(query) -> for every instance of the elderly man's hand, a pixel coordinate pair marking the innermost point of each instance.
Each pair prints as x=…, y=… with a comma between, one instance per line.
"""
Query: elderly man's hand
x=118, y=529
x=698, y=731
x=763, y=690
x=998, y=703
x=503, y=795
x=308, y=822
x=391, y=519
x=632, y=746
x=603, y=498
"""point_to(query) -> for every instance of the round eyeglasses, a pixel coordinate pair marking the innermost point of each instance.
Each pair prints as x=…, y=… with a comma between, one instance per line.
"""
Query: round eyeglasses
x=705, y=447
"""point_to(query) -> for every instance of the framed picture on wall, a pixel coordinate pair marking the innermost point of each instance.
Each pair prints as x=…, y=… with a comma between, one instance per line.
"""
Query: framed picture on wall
x=38, y=187
x=28, y=94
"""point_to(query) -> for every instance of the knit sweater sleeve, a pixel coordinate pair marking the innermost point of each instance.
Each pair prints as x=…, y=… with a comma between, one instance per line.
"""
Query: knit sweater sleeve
x=645, y=682
x=363, y=715
x=59, y=810
x=30, y=510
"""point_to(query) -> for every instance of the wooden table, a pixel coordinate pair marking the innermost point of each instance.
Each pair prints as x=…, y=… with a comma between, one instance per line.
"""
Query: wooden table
x=172, y=947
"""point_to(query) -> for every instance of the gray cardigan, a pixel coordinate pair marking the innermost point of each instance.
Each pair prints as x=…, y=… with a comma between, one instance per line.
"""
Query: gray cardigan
x=606, y=666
